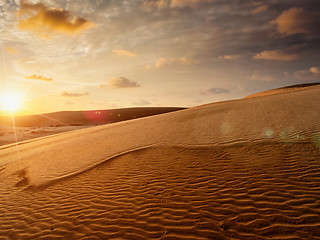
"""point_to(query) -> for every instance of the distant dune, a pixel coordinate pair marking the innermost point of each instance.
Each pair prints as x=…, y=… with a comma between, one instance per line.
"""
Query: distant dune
x=35, y=126
x=243, y=169
x=93, y=117
x=287, y=89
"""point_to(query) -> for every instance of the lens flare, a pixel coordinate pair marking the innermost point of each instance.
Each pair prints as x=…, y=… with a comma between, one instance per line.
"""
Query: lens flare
x=10, y=102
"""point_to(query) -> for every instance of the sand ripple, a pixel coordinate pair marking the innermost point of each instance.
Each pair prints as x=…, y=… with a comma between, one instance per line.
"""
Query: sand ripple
x=252, y=191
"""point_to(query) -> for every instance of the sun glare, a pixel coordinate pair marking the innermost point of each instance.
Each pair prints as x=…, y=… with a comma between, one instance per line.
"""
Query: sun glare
x=10, y=102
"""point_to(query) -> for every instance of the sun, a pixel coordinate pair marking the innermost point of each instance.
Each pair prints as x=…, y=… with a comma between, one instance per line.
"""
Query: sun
x=10, y=102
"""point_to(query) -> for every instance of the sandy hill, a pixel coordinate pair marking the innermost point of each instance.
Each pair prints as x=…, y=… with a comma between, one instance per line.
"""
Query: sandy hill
x=244, y=169
x=93, y=117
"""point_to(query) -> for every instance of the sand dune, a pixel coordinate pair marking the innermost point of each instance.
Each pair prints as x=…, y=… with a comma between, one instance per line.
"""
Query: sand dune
x=244, y=169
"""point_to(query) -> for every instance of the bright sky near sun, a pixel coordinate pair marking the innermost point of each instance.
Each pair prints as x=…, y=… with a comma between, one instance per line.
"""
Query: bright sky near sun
x=77, y=55
x=10, y=102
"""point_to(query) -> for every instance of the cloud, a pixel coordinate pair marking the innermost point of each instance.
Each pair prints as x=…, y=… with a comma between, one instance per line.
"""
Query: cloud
x=175, y=61
x=311, y=73
x=149, y=5
x=259, y=9
x=185, y=3
x=11, y=50
x=216, y=90
x=121, y=52
x=229, y=57
x=40, y=77
x=258, y=77
x=68, y=94
x=120, y=82
x=296, y=20
x=44, y=21
x=141, y=102
x=277, y=55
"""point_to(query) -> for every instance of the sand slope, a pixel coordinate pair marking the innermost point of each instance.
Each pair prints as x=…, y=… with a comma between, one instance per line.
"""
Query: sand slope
x=244, y=169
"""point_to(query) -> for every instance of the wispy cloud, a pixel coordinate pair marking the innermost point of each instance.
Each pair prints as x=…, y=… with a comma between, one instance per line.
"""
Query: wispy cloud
x=120, y=82
x=259, y=77
x=11, y=50
x=45, y=21
x=259, y=9
x=229, y=57
x=69, y=94
x=312, y=73
x=141, y=102
x=121, y=52
x=175, y=61
x=39, y=77
x=277, y=55
x=160, y=4
x=184, y=3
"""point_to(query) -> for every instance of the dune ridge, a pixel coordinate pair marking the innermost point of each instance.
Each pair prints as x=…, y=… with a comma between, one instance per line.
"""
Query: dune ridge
x=287, y=89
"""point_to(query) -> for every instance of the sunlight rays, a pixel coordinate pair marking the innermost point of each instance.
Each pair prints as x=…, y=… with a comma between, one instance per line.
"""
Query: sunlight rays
x=10, y=103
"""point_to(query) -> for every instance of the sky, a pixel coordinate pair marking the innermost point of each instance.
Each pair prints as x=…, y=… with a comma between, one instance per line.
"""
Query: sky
x=99, y=54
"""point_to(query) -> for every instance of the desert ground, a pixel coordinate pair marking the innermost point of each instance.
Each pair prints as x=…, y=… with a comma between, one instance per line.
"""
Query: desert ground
x=240, y=169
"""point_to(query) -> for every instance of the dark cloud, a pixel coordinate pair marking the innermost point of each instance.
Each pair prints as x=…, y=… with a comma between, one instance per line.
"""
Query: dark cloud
x=68, y=94
x=297, y=21
x=120, y=82
x=217, y=91
x=44, y=21
x=40, y=77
